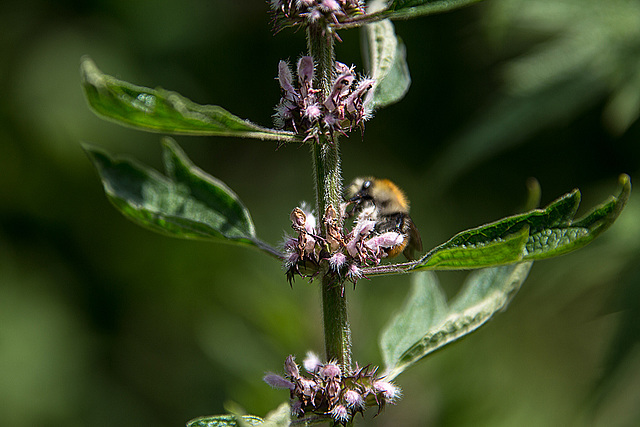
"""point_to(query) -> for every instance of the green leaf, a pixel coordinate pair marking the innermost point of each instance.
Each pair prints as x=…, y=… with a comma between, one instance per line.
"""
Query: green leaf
x=187, y=203
x=534, y=235
x=280, y=417
x=401, y=9
x=385, y=56
x=225, y=421
x=427, y=322
x=425, y=308
x=159, y=110
x=563, y=64
x=407, y=9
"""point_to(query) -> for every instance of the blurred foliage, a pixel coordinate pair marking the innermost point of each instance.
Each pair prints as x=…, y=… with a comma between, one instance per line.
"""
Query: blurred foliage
x=104, y=323
x=562, y=58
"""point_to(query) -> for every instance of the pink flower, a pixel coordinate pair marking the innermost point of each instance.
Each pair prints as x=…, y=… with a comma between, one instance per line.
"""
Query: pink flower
x=389, y=391
x=313, y=112
x=355, y=100
x=384, y=240
x=312, y=362
x=330, y=370
x=339, y=413
x=353, y=399
x=330, y=5
x=337, y=260
x=354, y=273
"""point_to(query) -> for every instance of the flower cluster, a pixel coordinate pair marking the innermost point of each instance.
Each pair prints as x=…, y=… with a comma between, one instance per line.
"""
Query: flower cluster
x=306, y=110
x=314, y=12
x=326, y=389
x=344, y=252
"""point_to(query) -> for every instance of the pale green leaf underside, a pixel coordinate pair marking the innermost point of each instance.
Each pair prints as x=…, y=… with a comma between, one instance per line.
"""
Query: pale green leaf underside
x=427, y=322
x=385, y=55
x=187, y=203
x=531, y=236
x=159, y=110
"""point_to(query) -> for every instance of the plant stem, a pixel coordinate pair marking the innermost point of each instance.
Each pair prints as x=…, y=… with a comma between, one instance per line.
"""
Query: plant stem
x=328, y=185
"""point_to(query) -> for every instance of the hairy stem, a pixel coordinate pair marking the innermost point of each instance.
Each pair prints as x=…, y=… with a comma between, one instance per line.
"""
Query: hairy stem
x=328, y=185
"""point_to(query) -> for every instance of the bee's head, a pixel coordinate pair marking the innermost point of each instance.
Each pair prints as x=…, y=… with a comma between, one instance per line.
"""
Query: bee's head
x=382, y=193
x=359, y=190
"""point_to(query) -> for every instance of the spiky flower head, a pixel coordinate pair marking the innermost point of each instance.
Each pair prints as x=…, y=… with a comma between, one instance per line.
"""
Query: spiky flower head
x=344, y=253
x=304, y=110
x=327, y=389
x=323, y=13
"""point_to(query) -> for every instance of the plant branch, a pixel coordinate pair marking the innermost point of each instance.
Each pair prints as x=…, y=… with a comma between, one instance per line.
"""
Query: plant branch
x=328, y=187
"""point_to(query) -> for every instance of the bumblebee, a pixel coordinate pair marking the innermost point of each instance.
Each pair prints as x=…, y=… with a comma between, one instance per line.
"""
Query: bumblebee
x=382, y=201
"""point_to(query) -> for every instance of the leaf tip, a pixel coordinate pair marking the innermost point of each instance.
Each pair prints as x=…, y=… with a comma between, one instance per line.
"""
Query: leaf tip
x=625, y=182
x=168, y=143
x=534, y=193
x=89, y=71
x=89, y=149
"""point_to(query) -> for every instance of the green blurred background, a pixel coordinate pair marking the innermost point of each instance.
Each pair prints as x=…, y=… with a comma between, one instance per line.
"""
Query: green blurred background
x=103, y=323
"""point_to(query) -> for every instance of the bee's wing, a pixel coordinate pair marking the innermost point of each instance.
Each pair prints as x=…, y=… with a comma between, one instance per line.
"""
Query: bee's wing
x=415, y=241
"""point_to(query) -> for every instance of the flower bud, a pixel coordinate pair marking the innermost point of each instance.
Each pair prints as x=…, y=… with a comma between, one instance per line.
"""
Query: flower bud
x=305, y=70
x=291, y=368
x=276, y=381
x=285, y=78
